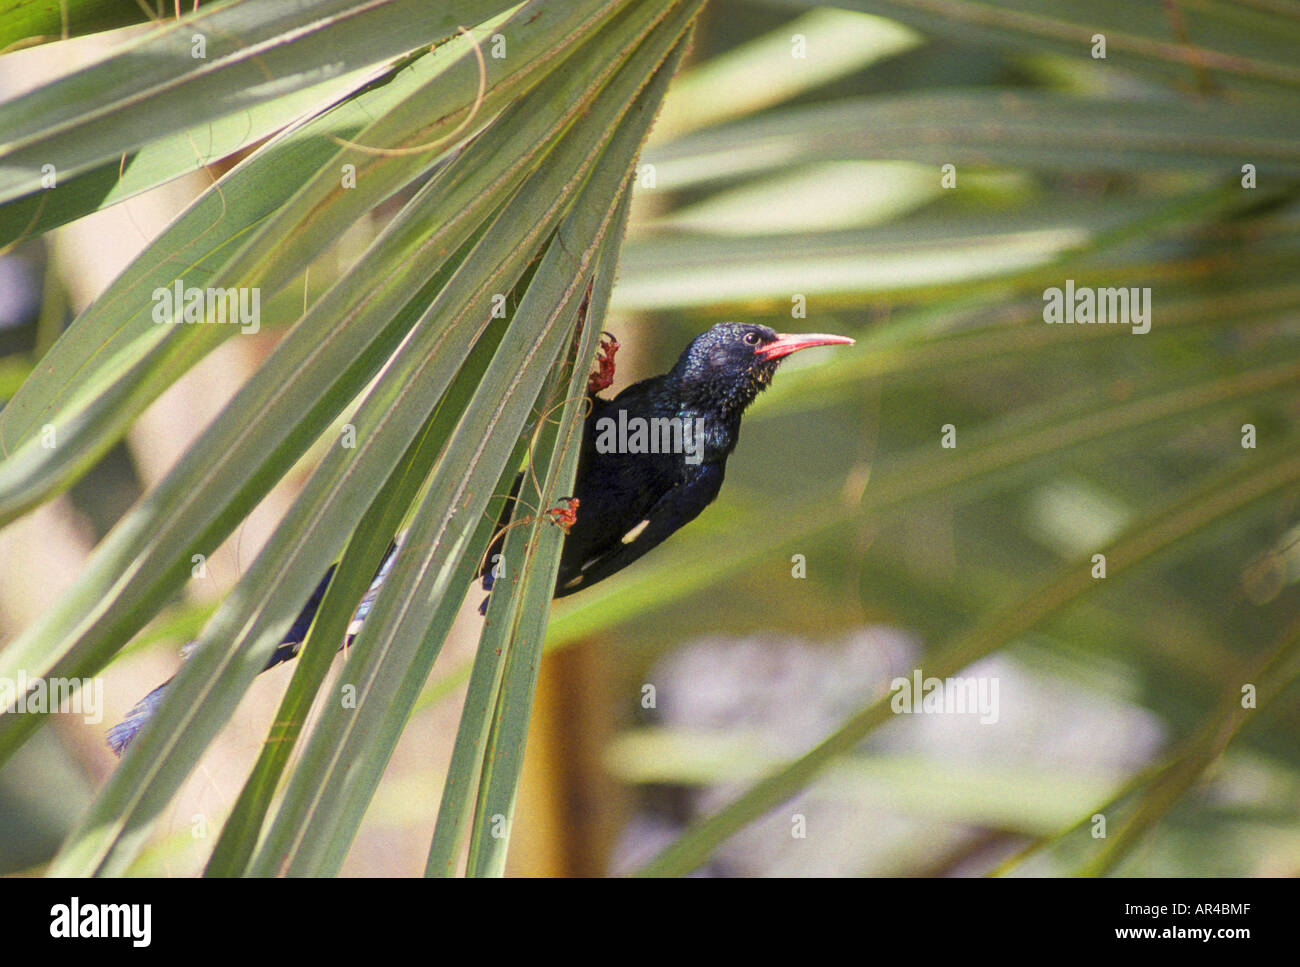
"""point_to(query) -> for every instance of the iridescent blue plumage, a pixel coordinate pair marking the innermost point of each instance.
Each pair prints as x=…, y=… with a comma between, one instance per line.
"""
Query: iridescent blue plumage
x=628, y=499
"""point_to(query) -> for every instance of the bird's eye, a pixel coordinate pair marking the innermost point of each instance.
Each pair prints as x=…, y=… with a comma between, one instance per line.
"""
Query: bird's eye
x=751, y=339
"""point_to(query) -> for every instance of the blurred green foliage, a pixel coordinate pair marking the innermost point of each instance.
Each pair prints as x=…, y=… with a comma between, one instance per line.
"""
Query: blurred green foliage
x=916, y=174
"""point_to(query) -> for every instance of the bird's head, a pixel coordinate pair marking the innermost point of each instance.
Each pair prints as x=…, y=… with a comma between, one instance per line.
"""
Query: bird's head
x=726, y=367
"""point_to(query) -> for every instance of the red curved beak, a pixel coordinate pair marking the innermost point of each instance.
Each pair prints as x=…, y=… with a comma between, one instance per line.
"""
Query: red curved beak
x=787, y=343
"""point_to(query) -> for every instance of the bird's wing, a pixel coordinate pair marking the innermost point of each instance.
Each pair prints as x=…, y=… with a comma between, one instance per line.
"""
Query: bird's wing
x=679, y=506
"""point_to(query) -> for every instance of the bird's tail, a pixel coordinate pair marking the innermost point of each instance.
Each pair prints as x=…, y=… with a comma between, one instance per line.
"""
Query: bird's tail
x=120, y=735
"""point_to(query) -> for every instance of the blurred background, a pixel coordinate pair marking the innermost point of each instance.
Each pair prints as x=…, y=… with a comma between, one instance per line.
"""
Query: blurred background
x=916, y=180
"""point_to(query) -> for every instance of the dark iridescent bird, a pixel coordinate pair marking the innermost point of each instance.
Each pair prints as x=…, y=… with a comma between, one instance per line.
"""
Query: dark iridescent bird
x=653, y=458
